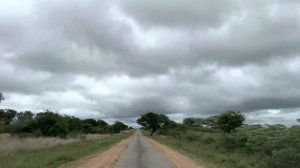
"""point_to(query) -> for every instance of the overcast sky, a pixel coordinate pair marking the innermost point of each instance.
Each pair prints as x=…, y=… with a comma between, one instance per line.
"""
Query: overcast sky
x=118, y=59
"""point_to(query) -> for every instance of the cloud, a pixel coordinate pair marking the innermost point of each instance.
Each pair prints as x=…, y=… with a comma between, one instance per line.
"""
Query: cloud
x=118, y=59
x=191, y=14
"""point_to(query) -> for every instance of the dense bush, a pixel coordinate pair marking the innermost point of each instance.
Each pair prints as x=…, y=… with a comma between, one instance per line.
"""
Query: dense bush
x=273, y=146
x=52, y=124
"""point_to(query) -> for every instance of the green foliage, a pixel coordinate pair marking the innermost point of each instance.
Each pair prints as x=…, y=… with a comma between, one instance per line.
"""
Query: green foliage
x=252, y=146
x=90, y=121
x=153, y=121
x=102, y=123
x=202, y=122
x=189, y=121
x=52, y=124
x=87, y=128
x=7, y=115
x=230, y=120
x=118, y=126
x=24, y=116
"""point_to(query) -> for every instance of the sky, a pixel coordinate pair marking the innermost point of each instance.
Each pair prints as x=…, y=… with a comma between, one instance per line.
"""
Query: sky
x=117, y=59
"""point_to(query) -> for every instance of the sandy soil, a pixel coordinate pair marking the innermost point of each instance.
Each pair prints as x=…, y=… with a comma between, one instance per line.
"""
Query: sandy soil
x=106, y=159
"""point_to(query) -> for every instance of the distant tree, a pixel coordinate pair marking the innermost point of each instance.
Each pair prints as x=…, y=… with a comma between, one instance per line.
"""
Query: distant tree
x=298, y=120
x=212, y=121
x=102, y=123
x=230, y=120
x=189, y=121
x=51, y=124
x=24, y=116
x=1, y=97
x=118, y=126
x=91, y=121
x=87, y=128
x=7, y=115
x=73, y=123
x=152, y=121
x=171, y=124
x=201, y=122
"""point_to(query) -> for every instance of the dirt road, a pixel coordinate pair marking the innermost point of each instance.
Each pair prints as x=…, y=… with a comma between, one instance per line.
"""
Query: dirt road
x=141, y=154
x=137, y=152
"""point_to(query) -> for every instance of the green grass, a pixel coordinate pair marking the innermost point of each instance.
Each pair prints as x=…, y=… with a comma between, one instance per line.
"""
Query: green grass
x=56, y=156
x=209, y=155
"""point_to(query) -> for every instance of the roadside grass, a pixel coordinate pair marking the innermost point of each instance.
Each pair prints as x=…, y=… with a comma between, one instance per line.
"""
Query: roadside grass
x=53, y=152
x=209, y=155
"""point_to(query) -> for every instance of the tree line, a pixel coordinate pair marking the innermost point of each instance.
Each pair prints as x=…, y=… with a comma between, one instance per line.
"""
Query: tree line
x=48, y=123
x=227, y=122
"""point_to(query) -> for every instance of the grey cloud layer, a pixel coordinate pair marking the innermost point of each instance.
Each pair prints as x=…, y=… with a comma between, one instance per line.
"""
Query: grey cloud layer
x=129, y=57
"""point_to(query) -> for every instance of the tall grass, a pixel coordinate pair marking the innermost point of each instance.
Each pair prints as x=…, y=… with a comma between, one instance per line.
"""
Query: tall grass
x=10, y=144
x=30, y=152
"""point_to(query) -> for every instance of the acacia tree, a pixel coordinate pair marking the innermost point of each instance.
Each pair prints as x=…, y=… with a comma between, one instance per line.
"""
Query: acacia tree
x=152, y=121
x=230, y=120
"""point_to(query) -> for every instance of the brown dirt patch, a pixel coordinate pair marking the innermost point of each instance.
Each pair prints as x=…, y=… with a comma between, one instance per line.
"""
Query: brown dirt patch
x=107, y=159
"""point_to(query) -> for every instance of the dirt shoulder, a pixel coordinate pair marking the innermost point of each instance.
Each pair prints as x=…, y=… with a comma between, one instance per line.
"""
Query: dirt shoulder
x=178, y=159
x=107, y=159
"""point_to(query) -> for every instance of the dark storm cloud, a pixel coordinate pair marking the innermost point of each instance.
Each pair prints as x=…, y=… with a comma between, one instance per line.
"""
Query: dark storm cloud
x=193, y=13
x=269, y=103
x=119, y=58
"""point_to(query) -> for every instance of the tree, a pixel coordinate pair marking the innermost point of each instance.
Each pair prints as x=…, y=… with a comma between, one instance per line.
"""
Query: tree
x=189, y=121
x=118, y=126
x=102, y=123
x=152, y=121
x=7, y=116
x=24, y=116
x=51, y=124
x=1, y=97
x=230, y=120
x=91, y=121
x=201, y=122
x=212, y=121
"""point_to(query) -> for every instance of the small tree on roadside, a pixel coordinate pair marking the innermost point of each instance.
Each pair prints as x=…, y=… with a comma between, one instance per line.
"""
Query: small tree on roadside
x=230, y=120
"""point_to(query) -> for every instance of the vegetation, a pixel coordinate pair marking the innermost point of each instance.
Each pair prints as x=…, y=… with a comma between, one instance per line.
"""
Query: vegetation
x=51, y=152
x=230, y=120
x=153, y=121
x=225, y=141
x=48, y=139
x=51, y=124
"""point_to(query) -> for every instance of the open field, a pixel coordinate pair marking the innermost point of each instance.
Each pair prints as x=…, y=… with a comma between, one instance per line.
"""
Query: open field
x=51, y=152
